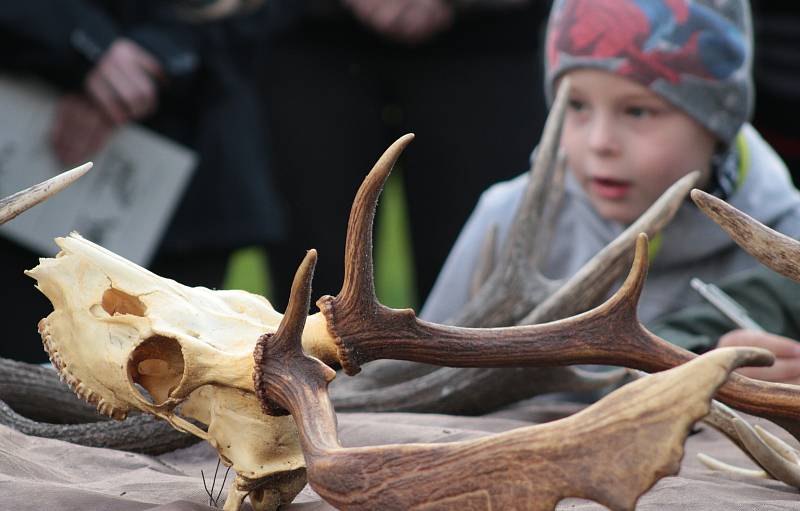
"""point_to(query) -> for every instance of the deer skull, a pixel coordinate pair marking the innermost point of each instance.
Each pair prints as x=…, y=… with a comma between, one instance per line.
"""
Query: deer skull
x=123, y=337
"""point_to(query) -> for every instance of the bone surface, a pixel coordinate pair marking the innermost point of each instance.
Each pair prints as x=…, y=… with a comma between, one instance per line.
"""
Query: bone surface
x=124, y=338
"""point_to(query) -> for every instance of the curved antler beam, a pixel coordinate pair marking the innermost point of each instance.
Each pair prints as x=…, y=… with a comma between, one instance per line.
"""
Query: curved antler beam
x=777, y=251
x=641, y=427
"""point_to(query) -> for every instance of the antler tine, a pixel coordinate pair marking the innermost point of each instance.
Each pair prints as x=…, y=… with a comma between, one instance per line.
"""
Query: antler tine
x=290, y=331
x=292, y=377
x=555, y=196
x=642, y=427
x=773, y=249
x=721, y=418
x=516, y=284
x=777, y=459
x=486, y=262
x=768, y=458
x=531, y=209
x=359, y=284
x=23, y=200
x=715, y=464
x=587, y=286
x=785, y=450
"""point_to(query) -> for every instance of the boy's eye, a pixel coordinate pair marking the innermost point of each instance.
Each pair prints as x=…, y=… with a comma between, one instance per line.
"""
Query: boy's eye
x=639, y=111
x=576, y=104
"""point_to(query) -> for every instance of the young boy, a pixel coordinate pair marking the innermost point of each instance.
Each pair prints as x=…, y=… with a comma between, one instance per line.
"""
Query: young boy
x=658, y=89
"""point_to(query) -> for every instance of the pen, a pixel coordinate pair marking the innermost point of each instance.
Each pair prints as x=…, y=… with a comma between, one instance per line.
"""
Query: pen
x=725, y=304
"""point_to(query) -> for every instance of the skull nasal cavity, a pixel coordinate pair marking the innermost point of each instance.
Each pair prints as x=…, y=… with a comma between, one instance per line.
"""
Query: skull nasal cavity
x=157, y=365
x=120, y=302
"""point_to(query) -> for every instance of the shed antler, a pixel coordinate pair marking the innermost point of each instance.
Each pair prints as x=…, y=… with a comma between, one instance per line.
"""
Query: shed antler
x=516, y=284
x=641, y=426
x=777, y=251
x=777, y=459
x=23, y=200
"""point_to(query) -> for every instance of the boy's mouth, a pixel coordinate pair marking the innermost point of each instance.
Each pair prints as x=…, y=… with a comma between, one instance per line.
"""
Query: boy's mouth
x=608, y=188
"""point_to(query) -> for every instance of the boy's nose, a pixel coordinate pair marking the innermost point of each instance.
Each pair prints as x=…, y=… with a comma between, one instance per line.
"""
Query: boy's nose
x=602, y=136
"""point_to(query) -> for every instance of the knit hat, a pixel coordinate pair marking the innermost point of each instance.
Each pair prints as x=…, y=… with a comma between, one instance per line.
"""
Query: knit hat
x=696, y=54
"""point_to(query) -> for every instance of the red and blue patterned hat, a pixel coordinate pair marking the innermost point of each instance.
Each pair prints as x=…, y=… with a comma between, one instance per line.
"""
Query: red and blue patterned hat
x=695, y=54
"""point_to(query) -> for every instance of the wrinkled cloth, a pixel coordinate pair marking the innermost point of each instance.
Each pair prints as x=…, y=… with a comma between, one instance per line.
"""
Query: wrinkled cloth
x=38, y=473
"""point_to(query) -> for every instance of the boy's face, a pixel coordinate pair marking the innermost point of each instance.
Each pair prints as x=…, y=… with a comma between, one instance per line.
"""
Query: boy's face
x=626, y=145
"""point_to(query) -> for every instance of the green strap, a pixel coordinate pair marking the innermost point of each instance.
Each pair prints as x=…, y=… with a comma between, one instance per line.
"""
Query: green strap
x=744, y=168
x=744, y=159
x=654, y=247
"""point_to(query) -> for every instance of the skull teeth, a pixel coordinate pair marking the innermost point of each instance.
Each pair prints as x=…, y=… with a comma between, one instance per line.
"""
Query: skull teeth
x=81, y=390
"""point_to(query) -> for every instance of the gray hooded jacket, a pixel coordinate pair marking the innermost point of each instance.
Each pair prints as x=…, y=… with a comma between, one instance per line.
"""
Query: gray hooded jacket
x=691, y=245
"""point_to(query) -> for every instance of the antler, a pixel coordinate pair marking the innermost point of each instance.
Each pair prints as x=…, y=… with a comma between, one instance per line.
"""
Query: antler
x=773, y=249
x=642, y=426
x=516, y=284
x=34, y=401
x=458, y=390
x=777, y=459
x=15, y=204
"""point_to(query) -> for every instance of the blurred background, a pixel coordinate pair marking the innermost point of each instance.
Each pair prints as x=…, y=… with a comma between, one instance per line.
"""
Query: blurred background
x=284, y=106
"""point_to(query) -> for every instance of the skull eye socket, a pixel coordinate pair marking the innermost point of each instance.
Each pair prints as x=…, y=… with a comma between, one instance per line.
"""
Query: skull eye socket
x=120, y=302
x=157, y=365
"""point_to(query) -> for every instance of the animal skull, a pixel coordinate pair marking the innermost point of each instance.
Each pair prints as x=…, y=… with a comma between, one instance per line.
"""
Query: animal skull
x=123, y=337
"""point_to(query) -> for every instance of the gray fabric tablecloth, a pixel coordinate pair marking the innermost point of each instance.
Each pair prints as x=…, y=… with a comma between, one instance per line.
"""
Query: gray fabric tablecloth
x=37, y=473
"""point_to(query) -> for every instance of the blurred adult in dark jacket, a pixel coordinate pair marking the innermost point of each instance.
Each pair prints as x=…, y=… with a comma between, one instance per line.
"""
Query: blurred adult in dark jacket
x=776, y=70
x=351, y=76
x=121, y=61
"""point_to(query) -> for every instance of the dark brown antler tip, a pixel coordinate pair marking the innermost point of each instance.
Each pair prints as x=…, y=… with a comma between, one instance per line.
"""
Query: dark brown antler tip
x=290, y=331
x=279, y=357
x=358, y=279
x=753, y=357
x=634, y=282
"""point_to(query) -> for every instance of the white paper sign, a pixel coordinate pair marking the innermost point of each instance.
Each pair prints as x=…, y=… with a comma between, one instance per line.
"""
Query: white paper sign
x=124, y=203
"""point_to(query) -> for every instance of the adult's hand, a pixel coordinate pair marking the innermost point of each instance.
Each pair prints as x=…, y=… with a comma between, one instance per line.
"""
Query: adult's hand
x=79, y=129
x=405, y=21
x=124, y=82
x=786, y=368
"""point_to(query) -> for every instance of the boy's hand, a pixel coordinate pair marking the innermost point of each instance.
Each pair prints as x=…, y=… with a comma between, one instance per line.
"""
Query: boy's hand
x=124, y=82
x=786, y=368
